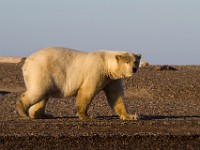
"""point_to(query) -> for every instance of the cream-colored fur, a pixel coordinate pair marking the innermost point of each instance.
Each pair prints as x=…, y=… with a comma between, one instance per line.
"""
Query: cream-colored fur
x=62, y=72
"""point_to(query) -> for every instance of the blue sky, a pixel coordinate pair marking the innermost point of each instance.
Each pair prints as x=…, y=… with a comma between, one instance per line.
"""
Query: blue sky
x=163, y=31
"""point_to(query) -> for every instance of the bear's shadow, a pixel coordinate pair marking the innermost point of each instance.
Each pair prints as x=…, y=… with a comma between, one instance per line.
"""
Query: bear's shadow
x=114, y=117
x=142, y=117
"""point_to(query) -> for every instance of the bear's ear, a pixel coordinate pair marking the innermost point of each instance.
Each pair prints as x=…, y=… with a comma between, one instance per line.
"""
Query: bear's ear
x=118, y=57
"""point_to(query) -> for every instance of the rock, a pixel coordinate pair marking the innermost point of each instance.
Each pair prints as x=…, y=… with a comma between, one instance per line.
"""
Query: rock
x=166, y=67
x=143, y=64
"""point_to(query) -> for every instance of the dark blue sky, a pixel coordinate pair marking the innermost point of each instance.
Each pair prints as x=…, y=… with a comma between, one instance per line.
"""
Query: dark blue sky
x=163, y=31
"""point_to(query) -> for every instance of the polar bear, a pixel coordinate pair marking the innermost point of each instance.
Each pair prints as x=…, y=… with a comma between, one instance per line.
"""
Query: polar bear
x=61, y=72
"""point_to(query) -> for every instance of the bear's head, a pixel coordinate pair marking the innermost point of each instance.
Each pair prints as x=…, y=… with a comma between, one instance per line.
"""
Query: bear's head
x=125, y=65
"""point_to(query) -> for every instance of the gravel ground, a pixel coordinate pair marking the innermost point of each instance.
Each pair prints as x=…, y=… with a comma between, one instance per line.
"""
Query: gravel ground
x=168, y=101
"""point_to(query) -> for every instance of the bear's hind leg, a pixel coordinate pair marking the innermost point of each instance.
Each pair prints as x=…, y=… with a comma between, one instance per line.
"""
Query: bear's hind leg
x=29, y=99
x=37, y=111
x=22, y=105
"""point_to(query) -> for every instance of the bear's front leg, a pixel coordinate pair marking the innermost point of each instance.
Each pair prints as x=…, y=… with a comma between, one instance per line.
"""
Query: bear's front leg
x=83, y=100
x=115, y=95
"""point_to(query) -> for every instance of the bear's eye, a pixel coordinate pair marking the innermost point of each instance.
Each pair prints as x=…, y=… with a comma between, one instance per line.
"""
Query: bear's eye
x=127, y=62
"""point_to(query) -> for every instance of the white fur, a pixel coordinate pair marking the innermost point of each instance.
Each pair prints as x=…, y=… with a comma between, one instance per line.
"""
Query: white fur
x=62, y=72
x=68, y=73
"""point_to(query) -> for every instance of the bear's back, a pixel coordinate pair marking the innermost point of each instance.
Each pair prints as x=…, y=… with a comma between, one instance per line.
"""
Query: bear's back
x=55, y=54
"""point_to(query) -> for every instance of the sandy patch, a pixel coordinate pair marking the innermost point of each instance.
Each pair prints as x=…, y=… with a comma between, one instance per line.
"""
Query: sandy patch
x=10, y=59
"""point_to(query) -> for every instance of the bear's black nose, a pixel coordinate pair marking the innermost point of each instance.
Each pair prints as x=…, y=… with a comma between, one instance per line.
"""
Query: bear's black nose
x=134, y=70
